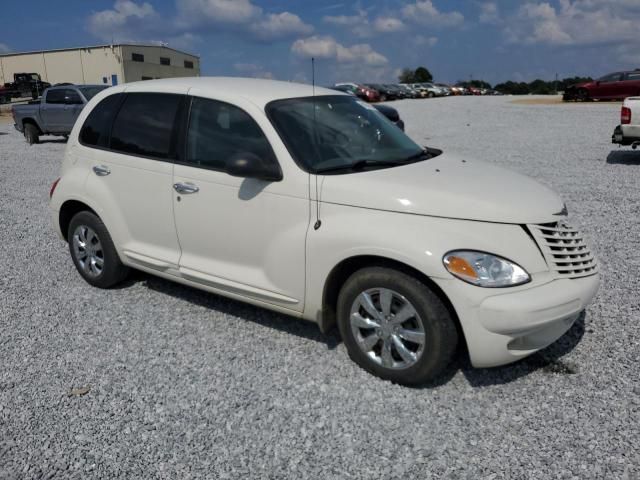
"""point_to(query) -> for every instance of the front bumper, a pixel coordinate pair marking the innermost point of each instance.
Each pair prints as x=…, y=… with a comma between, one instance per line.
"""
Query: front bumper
x=504, y=327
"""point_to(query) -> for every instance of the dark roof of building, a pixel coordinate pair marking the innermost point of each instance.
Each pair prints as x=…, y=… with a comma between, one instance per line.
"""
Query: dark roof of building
x=9, y=54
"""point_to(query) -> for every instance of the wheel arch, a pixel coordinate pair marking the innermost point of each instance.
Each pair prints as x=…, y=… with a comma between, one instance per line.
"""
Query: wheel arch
x=68, y=210
x=347, y=267
x=31, y=121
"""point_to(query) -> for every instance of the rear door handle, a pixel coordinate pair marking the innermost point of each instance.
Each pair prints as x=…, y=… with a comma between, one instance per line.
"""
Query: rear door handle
x=101, y=170
x=186, y=188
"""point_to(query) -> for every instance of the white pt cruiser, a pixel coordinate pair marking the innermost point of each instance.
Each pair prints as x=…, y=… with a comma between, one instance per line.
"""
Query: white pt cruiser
x=313, y=204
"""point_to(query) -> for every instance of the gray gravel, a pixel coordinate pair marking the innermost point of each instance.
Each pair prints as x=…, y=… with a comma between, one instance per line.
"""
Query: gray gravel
x=184, y=384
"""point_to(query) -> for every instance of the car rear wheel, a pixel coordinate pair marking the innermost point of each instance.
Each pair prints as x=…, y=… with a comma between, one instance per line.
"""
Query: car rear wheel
x=395, y=327
x=431, y=94
x=31, y=134
x=93, y=252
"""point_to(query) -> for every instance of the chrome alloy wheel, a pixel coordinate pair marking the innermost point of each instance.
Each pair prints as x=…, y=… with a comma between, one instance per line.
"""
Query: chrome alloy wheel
x=88, y=250
x=387, y=328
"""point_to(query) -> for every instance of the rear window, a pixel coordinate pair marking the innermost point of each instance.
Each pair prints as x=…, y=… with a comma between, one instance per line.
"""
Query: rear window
x=95, y=131
x=144, y=125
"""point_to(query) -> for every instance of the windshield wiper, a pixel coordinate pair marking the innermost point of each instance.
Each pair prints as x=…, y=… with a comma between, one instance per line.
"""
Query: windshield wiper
x=361, y=165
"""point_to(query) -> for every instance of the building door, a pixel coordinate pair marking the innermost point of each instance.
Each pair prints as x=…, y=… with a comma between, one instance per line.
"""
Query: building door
x=114, y=80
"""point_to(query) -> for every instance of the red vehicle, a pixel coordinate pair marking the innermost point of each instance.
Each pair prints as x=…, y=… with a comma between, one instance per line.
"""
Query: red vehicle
x=614, y=86
x=360, y=91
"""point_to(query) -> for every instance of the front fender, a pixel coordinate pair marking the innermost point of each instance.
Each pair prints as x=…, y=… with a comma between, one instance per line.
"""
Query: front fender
x=417, y=241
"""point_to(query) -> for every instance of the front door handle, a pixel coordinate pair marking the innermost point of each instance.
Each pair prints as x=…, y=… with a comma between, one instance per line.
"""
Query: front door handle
x=101, y=170
x=185, y=188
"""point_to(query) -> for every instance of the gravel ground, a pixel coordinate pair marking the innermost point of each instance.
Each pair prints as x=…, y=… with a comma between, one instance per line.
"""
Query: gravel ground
x=183, y=384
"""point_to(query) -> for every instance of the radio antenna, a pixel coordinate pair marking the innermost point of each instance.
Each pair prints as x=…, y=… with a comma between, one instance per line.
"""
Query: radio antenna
x=318, y=223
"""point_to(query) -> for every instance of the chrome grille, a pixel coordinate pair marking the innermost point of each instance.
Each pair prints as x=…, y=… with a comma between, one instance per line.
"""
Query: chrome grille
x=565, y=250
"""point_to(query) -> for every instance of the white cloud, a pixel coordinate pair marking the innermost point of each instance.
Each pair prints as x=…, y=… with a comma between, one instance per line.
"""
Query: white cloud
x=139, y=22
x=345, y=20
x=218, y=11
x=425, y=12
x=4, y=48
x=576, y=23
x=489, y=13
x=360, y=25
x=280, y=25
x=125, y=22
x=388, y=24
x=328, y=48
x=253, y=70
x=421, y=40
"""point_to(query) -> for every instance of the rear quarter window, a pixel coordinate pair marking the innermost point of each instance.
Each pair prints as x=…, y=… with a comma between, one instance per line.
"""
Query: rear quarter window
x=96, y=128
x=144, y=125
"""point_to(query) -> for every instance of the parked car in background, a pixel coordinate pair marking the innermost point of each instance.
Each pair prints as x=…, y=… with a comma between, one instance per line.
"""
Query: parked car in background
x=409, y=90
x=392, y=114
x=432, y=90
x=628, y=132
x=385, y=92
x=55, y=113
x=446, y=89
x=210, y=182
x=24, y=85
x=614, y=86
x=389, y=112
x=360, y=91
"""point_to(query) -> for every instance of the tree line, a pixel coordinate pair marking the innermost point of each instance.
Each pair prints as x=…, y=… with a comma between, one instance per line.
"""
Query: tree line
x=536, y=87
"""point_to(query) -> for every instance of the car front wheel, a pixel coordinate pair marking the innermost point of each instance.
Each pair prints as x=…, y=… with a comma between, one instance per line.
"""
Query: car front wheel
x=31, y=134
x=395, y=327
x=93, y=252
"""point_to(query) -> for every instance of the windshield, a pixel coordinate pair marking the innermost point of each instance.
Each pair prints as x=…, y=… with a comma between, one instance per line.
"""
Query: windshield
x=338, y=134
x=90, y=92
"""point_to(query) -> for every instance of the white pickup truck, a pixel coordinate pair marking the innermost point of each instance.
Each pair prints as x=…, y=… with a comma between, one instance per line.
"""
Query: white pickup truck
x=628, y=132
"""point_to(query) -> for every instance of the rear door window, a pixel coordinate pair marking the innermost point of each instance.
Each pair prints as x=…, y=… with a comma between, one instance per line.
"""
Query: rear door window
x=219, y=131
x=96, y=129
x=144, y=125
x=55, y=97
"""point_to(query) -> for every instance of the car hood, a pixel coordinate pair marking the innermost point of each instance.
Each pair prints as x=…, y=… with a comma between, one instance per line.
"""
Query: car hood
x=447, y=186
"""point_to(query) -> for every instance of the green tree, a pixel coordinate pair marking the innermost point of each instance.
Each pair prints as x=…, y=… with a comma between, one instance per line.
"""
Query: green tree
x=407, y=76
x=422, y=75
x=419, y=75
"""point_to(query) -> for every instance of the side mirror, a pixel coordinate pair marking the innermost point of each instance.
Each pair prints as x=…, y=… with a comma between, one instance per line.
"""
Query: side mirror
x=249, y=165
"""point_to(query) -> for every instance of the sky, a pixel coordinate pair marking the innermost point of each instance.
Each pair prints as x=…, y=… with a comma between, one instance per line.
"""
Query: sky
x=361, y=41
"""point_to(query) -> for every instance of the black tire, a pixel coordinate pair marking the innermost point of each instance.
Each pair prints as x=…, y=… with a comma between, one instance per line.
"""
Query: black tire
x=31, y=134
x=440, y=339
x=383, y=98
x=113, y=271
x=3, y=100
x=583, y=95
x=431, y=94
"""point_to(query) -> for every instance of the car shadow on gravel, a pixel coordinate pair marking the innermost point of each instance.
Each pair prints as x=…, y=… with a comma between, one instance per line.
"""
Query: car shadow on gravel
x=245, y=311
x=548, y=360
x=624, y=157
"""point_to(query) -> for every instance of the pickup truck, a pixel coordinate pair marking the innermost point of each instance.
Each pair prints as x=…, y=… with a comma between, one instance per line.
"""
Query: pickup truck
x=55, y=113
x=23, y=85
x=628, y=132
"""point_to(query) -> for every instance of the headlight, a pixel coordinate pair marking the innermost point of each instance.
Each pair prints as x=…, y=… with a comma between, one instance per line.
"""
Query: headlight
x=484, y=269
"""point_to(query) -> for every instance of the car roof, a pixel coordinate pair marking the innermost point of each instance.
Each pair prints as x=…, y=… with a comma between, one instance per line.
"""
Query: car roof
x=259, y=91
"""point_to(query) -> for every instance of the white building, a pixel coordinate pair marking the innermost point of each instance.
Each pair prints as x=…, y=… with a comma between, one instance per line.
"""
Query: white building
x=105, y=64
